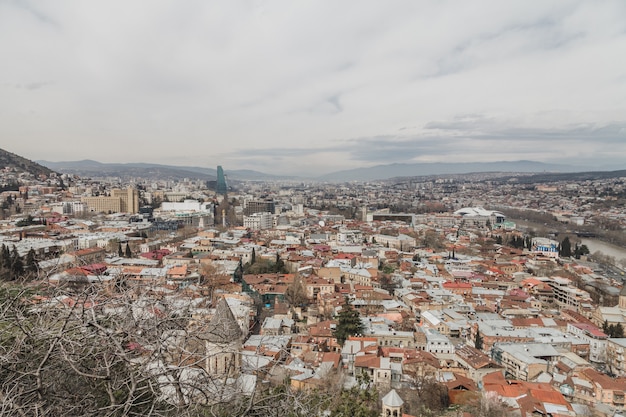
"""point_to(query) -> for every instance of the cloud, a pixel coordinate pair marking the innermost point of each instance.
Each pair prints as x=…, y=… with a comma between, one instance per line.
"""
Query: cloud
x=311, y=85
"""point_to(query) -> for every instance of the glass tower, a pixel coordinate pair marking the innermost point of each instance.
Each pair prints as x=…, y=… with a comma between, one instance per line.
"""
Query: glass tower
x=221, y=187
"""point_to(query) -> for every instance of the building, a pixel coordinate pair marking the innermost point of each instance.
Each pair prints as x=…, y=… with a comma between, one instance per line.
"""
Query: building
x=259, y=206
x=566, y=294
x=615, y=356
x=187, y=205
x=392, y=405
x=479, y=217
x=120, y=201
x=221, y=187
x=258, y=221
x=545, y=247
x=524, y=361
x=595, y=337
x=222, y=338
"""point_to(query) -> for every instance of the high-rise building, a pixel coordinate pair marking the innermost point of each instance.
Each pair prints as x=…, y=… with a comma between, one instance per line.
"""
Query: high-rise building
x=221, y=186
x=258, y=206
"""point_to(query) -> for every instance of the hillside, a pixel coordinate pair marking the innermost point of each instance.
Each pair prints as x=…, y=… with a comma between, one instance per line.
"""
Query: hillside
x=95, y=169
x=21, y=164
x=382, y=172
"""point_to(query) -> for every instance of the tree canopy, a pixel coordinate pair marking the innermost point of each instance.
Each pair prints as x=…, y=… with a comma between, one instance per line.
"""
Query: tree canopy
x=349, y=323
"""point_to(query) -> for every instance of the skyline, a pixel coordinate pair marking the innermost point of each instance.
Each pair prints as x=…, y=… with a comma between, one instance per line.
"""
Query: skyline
x=311, y=88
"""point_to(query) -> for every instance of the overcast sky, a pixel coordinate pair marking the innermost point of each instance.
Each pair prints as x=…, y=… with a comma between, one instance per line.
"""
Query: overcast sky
x=313, y=86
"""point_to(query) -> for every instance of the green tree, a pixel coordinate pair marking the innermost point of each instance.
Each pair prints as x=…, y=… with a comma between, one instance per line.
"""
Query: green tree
x=618, y=331
x=238, y=274
x=25, y=222
x=580, y=250
x=253, y=257
x=279, y=264
x=6, y=258
x=120, y=252
x=349, y=323
x=31, y=262
x=566, y=248
x=528, y=242
x=355, y=402
x=478, y=341
x=17, y=264
x=128, y=254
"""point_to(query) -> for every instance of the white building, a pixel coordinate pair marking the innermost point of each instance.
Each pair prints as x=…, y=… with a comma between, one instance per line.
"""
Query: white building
x=595, y=337
x=437, y=342
x=187, y=205
x=258, y=221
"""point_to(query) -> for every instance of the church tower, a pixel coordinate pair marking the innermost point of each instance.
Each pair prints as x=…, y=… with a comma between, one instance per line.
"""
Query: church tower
x=392, y=405
x=222, y=338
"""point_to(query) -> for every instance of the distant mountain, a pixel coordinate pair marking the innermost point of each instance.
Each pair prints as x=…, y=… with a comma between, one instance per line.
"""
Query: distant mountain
x=383, y=172
x=571, y=176
x=8, y=159
x=95, y=169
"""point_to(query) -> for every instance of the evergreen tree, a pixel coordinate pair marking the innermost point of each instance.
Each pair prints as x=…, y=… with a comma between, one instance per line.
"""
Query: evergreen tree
x=129, y=254
x=605, y=327
x=478, y=341
x=566, y=248
x=253, y=257
x=528, y=242
x=580, y=250
x=618, y=331
x=6, y=258
x=279, y=265
x=238, y=275
x=17, y=264
x=349, y=323
x=31, y=262
x=120, y=252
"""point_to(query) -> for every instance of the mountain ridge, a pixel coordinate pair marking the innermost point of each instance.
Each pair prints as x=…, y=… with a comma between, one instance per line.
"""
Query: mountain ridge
x=382, y=172
x=9, y=159
x=92, y=168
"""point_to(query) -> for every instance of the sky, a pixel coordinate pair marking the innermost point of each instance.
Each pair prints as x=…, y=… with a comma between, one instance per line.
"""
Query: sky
x=310, y=87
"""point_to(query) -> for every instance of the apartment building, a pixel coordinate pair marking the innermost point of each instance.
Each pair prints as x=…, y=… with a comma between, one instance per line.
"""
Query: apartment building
x=566, y=295
x=524, y=361
x=120, y=201
x=258, y=221
x=595, y=337
x=615, y=358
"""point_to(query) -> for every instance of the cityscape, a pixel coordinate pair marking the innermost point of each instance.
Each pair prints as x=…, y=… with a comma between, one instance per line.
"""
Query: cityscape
x=461, y=294
x=259, y=208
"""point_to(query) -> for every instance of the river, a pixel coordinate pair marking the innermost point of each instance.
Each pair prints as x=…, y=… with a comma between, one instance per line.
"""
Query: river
x=618, y=252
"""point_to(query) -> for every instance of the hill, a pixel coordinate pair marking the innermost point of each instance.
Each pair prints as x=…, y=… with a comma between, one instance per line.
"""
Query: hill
x=95, y=169
x=21, y=164
x=382, y=172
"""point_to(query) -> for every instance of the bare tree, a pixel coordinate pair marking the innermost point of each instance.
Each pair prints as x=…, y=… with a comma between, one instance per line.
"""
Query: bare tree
x=119, y=351
x=295, y=293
